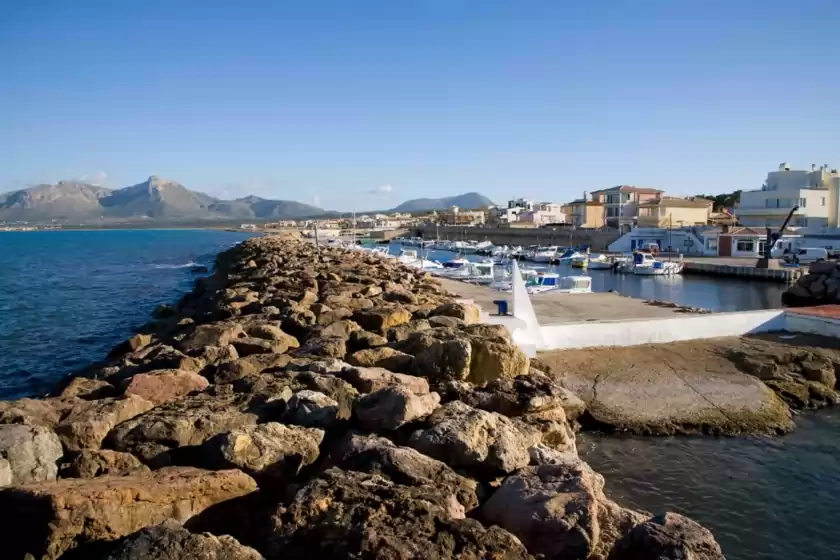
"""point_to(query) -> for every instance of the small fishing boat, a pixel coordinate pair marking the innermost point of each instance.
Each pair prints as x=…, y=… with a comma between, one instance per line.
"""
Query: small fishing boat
x=457, y=262
x=410, y=258
x=585, y=261
x=567, y=256
x=505, y=282
x=545, y=254
x=552, y=282
x=645, y=264
x=608, y=262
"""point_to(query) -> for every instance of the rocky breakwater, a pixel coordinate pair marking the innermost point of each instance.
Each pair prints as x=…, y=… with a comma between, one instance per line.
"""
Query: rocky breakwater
x=820, y=286
x=293, y=406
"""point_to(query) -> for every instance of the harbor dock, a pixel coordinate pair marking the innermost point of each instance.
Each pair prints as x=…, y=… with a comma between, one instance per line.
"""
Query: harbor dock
x=741, y=268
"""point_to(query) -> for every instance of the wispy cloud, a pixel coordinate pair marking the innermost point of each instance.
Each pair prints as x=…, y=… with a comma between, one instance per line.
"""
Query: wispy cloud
x=95, y=178
x=382, y=190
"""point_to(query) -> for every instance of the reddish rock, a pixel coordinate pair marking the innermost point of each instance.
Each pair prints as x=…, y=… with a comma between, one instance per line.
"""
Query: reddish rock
x=165, y=385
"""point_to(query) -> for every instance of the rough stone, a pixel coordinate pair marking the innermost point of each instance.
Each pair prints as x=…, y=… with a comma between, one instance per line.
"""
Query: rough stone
x=380, y=320
x=30, y=453
x=90, y=463
x=311, y=409
x=324, y=346
x=370, y=379
x=391, y=407
x=49, y=518
x=269, y=448
x=443, y=360
x=216, y=334
x=462, y=436
x=134, y=343
x=362, y=340
x=170, y=541
x=381, y=357
x=165, y=385
x=250, y=345
x=341, y=514
x=494, y=360
x=467, y=312
x=559, y=511
x=85, y=388
x=667, y=537
x=88, y=422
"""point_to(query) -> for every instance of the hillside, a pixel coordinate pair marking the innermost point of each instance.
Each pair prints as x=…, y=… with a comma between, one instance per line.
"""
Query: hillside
x=466, y=201
x=156, y=199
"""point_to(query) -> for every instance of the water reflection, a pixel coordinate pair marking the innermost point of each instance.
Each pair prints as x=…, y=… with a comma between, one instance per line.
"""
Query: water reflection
x=715, y=293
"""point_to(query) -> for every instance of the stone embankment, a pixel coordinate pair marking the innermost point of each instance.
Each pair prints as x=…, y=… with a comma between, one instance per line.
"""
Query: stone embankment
x=301, y=407
x=820, y=286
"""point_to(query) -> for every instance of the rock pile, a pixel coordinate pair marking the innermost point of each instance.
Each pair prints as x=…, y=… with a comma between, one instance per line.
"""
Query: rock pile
x=820, y=286
x=295, y=406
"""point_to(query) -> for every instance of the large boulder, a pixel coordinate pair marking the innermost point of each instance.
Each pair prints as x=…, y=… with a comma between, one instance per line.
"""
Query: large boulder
x=88, y=422
x=312, y=409
x=215, y=334
x=370, y=379
x=28, y=453
x=85, y=388
x=381, y=319
x=34, y=412
x=559, y=511
x=469, y=313
x=165, y=385
x=90, y=463
x=271, y=448
x=668, y=537
x=270, y=331
x=170, y=541
x=341, y=514
x=403, y=465
x=493, y=359
x=49, y=518
x=440, y=359
x=462, y=436
x=324, y=346
x=389, y=408
x=381, y=357
x=155, y=435
x=228, y=372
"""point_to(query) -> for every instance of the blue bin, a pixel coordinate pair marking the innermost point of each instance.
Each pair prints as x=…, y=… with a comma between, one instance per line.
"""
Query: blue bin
x=502, y=306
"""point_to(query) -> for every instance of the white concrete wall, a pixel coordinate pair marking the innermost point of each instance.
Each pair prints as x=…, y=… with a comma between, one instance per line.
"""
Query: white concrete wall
x=795, y=322
x=647, y=331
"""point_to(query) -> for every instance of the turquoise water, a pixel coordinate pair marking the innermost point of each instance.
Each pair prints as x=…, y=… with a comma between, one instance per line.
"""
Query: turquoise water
x=66, y=297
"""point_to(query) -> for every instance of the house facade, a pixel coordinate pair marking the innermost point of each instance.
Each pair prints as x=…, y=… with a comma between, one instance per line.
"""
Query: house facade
x=544, y=213
x=784, y=189
x=583, y=213
x=674, y=212
x=621, y=204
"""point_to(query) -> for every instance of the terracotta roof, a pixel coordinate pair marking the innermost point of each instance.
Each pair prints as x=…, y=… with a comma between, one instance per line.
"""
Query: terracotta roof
x=678, y=203
x=588, y=202
x=629, y=188
x=735, y=231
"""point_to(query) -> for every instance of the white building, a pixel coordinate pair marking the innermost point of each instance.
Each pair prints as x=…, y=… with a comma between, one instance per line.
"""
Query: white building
x=784, y=189
x=514, y=209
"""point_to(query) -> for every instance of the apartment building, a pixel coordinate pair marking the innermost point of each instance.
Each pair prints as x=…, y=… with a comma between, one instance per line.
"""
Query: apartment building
x=621, y=204
x=671, y=212
x=784, y=189
x=583, y=213
x=544, y=213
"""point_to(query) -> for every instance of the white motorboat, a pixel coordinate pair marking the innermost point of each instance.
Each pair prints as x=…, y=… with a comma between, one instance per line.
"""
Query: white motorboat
x=585, y=261
x=505, y=282
x=545, y=254
x=410, y=258
x=645, y=264
x=568, y=256
x=381, y=251
x=457, y=262
x=608, y=262
x=553, y=282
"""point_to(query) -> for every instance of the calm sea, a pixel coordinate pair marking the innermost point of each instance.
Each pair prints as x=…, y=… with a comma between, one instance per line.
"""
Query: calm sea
x=67, y=297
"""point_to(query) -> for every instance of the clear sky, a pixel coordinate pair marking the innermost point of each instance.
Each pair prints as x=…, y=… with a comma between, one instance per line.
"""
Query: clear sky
x=356, y=103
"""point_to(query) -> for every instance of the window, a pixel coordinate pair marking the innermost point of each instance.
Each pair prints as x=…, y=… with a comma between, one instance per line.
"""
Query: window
x=711, y=244
x=771, y=203
x=822, y=201
x=745, y=245
x=625, y=197
x=802, y=203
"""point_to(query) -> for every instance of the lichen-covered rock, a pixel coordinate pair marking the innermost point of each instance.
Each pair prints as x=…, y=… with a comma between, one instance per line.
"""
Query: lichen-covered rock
x=667, y=537
x=462, y=436
x=389, y=408
x=403, y=465
x=30, y=453
x=165, y=385
x=381, y=319
x=469, y=313
x=271, y=448
x=370, y=379
x=312, y=409
x=341, y=514
x=381, y=357
x=90, y=463
x=170, y=541
x=87, y=423
x=190, y=421
x=216, y=334
x=49, y=518
x=559, y=511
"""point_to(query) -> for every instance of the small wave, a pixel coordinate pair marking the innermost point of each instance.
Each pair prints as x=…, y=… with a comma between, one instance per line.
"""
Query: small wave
x=187, y=265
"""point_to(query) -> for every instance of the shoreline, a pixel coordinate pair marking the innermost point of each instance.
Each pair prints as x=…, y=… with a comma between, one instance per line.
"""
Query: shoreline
x=280, y=382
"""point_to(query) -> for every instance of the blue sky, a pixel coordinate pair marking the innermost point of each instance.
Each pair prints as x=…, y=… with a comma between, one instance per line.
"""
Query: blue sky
x=334, y=102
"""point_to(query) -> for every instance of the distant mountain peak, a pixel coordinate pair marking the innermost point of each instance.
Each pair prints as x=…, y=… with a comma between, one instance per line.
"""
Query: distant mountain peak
x=466, y=201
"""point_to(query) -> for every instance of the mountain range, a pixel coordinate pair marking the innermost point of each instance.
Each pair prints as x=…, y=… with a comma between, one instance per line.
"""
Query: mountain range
x=158, y=199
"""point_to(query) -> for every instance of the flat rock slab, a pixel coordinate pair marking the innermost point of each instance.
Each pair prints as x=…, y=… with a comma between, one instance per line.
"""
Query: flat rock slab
x=48, y=518
x=669, y=388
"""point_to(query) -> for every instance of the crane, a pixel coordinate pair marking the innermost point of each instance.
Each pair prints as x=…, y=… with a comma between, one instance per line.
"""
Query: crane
x=772, y=237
